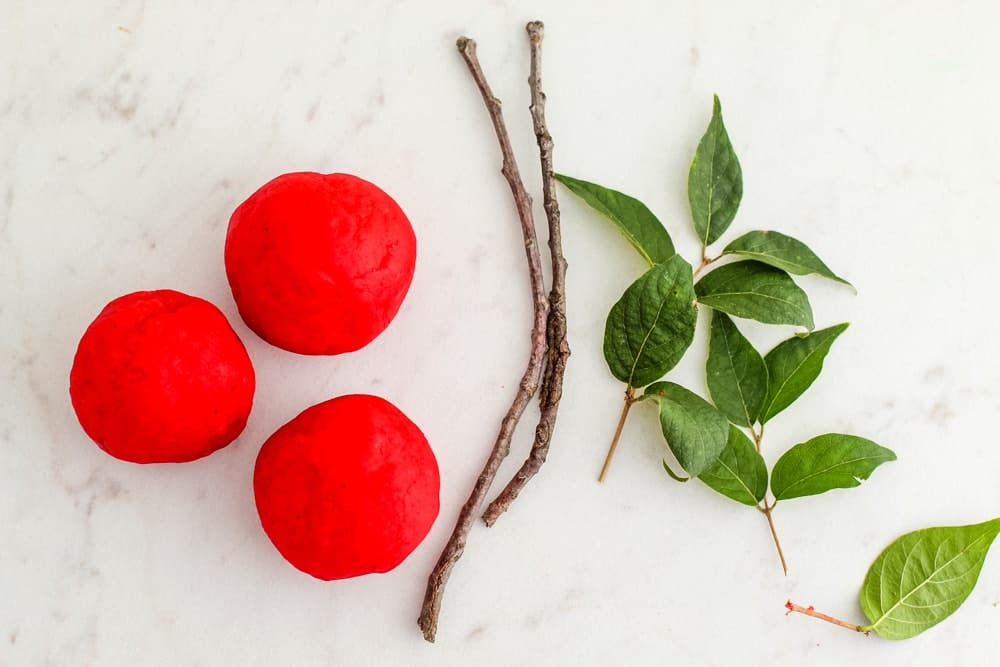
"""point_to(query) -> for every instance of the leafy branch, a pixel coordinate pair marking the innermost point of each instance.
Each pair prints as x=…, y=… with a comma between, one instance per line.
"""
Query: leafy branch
x=652, y=326
x=917, y=581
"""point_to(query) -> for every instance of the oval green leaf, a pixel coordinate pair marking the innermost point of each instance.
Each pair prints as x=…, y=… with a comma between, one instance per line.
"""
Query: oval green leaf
x=740, y=472
x=715, y=181
x=793, y=366
x=924, y=577
x=737, y=374
x=632, y=218
x=694, y=430
x=652, y=325
x=755, y=291
x=783, y=252
x=831, y=461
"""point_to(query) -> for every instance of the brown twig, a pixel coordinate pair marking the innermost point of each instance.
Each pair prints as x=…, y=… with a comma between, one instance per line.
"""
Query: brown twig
x=557, y=346
x=453, y=550
x=810, y=611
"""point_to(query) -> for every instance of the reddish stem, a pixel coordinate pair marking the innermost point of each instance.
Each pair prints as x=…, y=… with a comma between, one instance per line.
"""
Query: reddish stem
x=811, y=611
x=705, y=261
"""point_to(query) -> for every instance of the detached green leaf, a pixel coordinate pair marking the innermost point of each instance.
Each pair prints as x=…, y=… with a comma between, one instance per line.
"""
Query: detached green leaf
x=740, y=472
x=831, y=461
x=632, y=218
x=715, y=181
x=755, y=291
x=792, y=367
x=782, y=252
x=652, y=325
x=737, y=374
x=924, y=577
x=694, y=430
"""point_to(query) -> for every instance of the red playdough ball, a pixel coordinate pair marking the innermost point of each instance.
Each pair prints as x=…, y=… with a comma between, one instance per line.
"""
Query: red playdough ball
x=348, y=487
x=319, y=263
x=161, y=377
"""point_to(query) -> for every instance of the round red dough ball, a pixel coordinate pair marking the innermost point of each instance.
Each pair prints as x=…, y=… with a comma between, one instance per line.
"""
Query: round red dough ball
x=348, y=487
x=161, y=377
x=319, y=263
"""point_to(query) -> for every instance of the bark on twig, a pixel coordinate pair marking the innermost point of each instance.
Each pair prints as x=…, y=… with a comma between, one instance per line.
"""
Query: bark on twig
x=453, y=550
x=557, y=346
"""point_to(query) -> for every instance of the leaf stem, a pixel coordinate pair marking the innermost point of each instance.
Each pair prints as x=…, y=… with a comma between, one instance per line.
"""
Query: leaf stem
x=767, y=510
x=629, y=400
x=810, y=611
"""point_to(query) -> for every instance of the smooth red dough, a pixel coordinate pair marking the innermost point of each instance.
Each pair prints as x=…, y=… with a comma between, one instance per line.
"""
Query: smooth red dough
x=319, y=263
x=161, y=377
x=348, y=487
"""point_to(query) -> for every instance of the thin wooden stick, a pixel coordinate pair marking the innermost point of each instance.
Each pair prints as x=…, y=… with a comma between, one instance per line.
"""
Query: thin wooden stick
x=453, y=550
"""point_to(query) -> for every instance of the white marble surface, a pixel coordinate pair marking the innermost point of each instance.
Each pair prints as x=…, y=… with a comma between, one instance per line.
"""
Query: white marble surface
x=129, y=130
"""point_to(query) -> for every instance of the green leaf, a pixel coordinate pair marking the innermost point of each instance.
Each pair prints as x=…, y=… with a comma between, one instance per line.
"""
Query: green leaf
x=792, y=367
x=715, y=181
x=694, y=430
x=924, y=577
x=755, y=291
x=737, y=374
x=782, y=252
x=740, y=472
x=831, y=461
x=632, y=218
x=652, y=325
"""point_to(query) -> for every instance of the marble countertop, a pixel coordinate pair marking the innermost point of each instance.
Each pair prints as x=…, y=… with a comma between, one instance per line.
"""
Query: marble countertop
x=129, y=131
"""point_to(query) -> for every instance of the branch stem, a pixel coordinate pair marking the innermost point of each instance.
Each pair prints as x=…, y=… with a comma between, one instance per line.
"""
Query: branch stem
x=705, y=261
x=455, y=546
x=629, y=400
x=555, y=331
x=810, y=611
x=768, y=510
